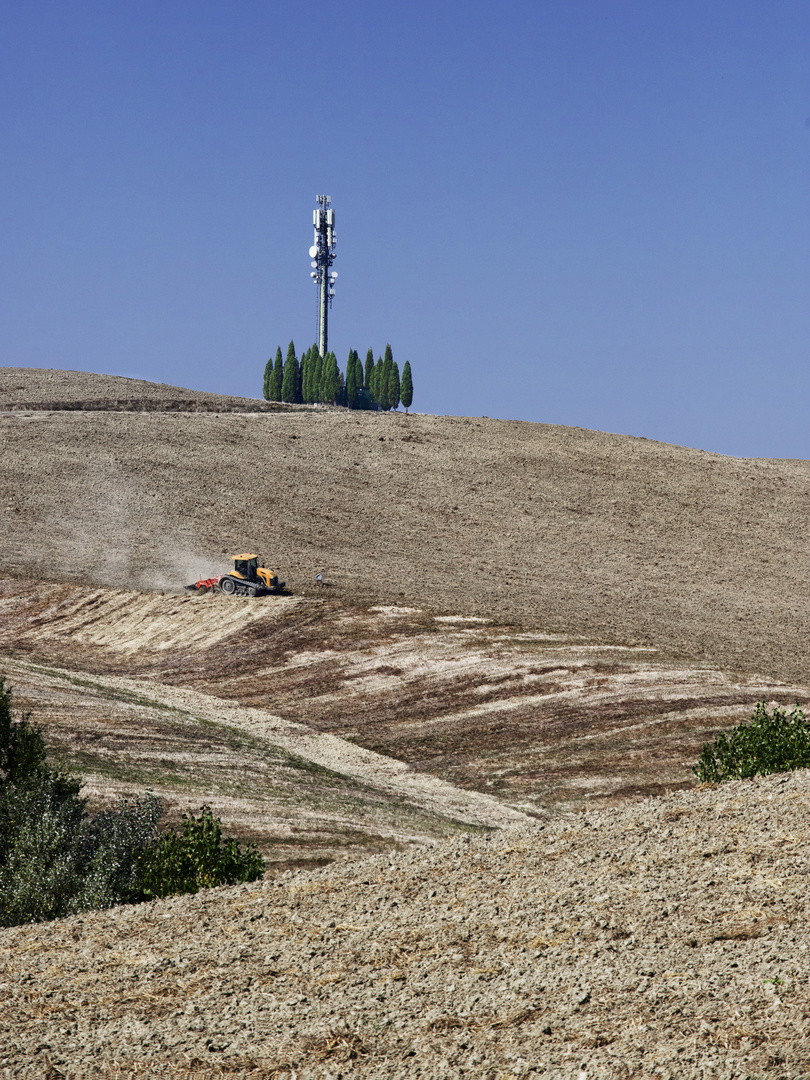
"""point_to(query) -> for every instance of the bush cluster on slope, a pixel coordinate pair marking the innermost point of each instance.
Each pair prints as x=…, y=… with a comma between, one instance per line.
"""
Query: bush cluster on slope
x=55, y=860
x=773, y=742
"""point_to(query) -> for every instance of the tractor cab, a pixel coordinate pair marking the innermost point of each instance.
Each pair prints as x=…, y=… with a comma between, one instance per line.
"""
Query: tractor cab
x=245, y=566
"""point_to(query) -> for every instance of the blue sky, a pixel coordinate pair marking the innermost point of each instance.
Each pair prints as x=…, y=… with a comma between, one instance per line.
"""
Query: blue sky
x=569, y=211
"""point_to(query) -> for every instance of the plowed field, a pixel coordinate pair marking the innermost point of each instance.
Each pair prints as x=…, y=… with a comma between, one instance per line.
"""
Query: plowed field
x=559, y=529
x=524, y=629
x=540, y=721
x=666, y=939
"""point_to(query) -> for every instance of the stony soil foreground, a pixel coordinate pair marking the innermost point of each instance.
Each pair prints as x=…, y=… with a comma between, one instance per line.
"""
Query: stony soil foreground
x=666, y=939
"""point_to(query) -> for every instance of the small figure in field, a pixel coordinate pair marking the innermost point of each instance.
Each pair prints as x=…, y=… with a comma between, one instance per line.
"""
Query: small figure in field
x=319, y=579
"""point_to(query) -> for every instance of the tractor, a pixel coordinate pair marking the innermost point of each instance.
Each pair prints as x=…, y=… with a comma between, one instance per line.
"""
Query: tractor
x=246, y=579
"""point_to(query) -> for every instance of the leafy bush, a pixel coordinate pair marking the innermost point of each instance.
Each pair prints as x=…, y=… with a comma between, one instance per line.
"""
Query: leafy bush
x=56, y=861
x=22, y=748
x=773, y=742
x=115, y=849
x=198, y=858
x=41, y=820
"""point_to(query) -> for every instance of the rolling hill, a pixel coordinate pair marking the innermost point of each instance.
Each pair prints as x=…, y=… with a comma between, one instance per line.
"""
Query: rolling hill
x=526, y=632
x=560, y=529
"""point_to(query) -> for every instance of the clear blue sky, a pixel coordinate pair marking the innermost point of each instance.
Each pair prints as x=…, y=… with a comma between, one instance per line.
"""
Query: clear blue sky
x=573, y=211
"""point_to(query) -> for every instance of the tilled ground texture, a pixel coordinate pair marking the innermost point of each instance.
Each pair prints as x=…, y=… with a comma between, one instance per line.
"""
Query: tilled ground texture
x=557, y=528
x=536, y=719
x=303, y=798
x=37, y=389
x=669, y=938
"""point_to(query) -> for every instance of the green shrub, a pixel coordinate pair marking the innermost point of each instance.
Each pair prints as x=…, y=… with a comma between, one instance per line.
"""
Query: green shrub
x=41, y=821
x=41, y=816
x=773, y=742
x=55, y=860
x=22, y=748
x=114, y=852
x=198, y=858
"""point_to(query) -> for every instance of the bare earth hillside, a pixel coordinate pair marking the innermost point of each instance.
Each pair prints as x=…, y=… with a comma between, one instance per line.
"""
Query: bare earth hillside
x=525, y=631
x=539, y=720
x=667, y=939
x=556, y=528
x=35, y=389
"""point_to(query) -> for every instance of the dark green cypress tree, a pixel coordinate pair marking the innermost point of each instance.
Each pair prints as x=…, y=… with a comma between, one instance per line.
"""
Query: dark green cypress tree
x=277, y=377
x=313, y=374
x=332, y=380
x=358, y=374
x=351, y=378
x=394, y=385
x=291, y=394
x=379, y=388
x=369, y=369
x=406, y=386
x=289, y=385
x=268, y=375
x=372, y=379
x=384, y=385
x=305, y=377
x=299, y=383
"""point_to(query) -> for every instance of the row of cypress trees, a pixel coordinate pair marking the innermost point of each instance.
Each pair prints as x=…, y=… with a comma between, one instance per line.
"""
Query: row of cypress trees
x=317, y=378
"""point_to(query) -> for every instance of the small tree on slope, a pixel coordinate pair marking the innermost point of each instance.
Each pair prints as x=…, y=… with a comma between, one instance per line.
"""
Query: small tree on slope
x=289, y=386
x=277, y=377
x=406, y=386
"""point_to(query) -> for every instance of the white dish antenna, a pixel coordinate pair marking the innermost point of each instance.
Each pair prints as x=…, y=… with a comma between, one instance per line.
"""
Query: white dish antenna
x=313, y=251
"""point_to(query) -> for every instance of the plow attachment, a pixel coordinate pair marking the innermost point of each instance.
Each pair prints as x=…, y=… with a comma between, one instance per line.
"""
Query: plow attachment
x=205, y=583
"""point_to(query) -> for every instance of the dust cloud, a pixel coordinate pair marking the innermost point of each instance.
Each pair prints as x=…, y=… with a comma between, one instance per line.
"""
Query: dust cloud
x=110, y=520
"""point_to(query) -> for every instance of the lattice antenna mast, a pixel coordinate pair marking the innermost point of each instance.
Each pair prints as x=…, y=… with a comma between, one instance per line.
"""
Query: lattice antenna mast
x=322, y=254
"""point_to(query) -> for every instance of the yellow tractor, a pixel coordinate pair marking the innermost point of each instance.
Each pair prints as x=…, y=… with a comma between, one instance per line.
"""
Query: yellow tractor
x=246, y=579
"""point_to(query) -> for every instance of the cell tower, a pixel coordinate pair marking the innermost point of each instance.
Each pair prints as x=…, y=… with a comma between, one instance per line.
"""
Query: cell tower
x=322, y=254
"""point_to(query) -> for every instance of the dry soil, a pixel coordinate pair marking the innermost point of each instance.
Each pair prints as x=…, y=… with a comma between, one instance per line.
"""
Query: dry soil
x=668, y=939
x=557, y=528
x=519, y=619
x=538, y=720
